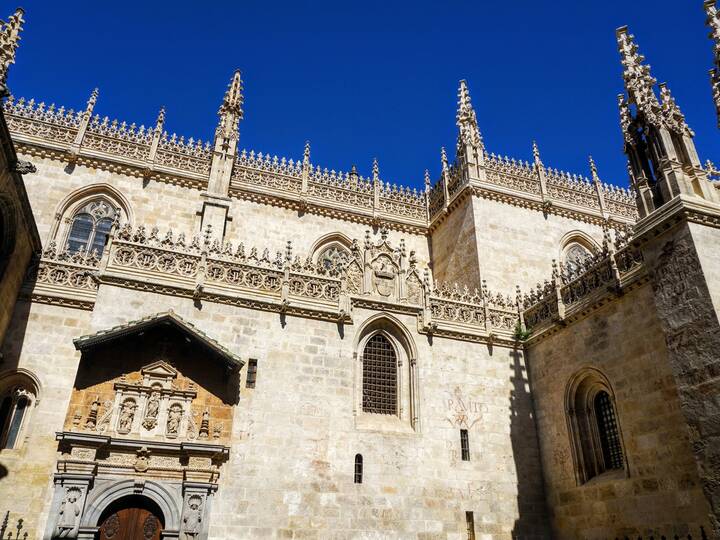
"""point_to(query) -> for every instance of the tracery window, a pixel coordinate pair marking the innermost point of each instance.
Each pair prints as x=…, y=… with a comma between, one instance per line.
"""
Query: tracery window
x=90, y=227
x=379, y=376
x=358, y=468
x=17, y=397
x=575, y=255
x=596, y=438
x=333, y=256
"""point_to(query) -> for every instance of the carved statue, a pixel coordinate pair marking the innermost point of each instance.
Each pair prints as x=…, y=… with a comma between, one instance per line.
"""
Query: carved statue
x=127, y=414
x=192, y=518
x=68, y=515
x=174, y=416
x=153, y=408
x=91, y=421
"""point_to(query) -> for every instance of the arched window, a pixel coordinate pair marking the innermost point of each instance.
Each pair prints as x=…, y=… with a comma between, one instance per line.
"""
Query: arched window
x=358, y=468
x=90, y=226
x=596, y=440
x=575, y=254
x=380, y=376
x=333, y=256
x=386, y=384
x=18, y=393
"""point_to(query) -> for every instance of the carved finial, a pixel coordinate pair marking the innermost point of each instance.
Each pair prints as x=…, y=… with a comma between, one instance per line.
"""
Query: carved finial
x=230, y=111
x=375, y=170
x=466, y=119
x=306, y=153
x=427, y=180
x=673, y=116
x=160, y=122
x=92, y=101
x=639, y=82
x=9, y=40
x=536, y=153
x=713, y=21
x=443, y=159
x=593, y=170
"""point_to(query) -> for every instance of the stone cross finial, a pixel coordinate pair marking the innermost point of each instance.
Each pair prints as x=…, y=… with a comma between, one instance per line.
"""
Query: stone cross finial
x=466, y=119
x=9, y=39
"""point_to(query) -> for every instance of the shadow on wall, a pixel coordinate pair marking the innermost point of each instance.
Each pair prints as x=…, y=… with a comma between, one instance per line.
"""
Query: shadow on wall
x=532, y=522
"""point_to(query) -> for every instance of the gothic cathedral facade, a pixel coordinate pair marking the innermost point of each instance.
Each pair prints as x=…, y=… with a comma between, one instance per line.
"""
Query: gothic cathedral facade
x=201, y=342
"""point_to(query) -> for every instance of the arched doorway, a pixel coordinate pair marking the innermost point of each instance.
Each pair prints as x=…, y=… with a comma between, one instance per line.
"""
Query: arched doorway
x=131, y=518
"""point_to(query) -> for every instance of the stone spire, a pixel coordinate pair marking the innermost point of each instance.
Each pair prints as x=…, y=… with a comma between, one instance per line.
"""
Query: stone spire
x=227, y=134
x=470, y=154
x=658, y=142
x=713, y=21
x=230, y=111
x=160, y=122
x=469, y=133
x=9, y=39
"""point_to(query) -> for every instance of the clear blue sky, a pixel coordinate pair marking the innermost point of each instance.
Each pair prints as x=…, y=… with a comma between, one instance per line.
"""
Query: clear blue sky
x=367, y=79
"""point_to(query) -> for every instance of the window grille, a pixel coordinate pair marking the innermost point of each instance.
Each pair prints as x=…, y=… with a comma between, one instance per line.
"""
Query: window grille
x=470, y=522
x=464, y=445
x=608, y=432
x=358, y=468
x=379, y=376
x=251, y=373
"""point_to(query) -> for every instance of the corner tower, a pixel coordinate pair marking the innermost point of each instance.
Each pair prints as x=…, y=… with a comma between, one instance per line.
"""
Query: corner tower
x=658, y=142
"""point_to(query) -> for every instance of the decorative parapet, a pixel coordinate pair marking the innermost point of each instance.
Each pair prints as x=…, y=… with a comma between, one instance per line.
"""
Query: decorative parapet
x=571, y=291
x=151, y=152
x=63, y=276
x=521, y=181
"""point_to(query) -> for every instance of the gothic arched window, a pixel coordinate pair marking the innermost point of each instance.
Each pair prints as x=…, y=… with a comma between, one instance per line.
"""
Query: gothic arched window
x=380, y=376
x=17, y=396
x=90, y=227
x=596, y=440
x=333, y=256
x=575, y=255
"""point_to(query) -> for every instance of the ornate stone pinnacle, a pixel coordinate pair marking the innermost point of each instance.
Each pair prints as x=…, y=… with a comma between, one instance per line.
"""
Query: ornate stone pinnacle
x=466, y=119
x=639, y=82
x=536, y=153
x=160, y=122
x=231, y=111
x=427, y=180
x=593, y=169
x=375, y=170
x=673, y=116
x=9, y=39
x=443, y=159
x=306, y=152
x=713, y=21
x=92, y=100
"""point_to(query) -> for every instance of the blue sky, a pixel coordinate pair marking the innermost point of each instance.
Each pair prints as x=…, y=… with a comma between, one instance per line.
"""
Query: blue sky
x=368, y=79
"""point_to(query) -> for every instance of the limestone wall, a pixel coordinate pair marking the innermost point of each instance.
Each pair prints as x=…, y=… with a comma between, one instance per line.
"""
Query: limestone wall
x=39, y=339
x=661, y=493
x=295, y=434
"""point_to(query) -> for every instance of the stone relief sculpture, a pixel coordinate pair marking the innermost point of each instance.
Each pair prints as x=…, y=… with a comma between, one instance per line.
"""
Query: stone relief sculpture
x=68, y=515
x=91, y=421
x=173, y=422
x=153, y=408
x=127, y=414
x=193, y=518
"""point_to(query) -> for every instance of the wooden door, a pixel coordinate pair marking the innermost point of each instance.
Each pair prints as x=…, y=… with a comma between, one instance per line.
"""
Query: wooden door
x=131, y=524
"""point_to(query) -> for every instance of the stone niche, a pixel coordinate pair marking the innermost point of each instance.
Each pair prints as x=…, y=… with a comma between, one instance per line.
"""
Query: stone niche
x=146, y=430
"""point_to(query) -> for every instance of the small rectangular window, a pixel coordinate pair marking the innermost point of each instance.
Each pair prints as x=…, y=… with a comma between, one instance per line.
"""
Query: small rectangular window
x=358, y=469
x=470, y=521
x=464, y=445
x=251, y=373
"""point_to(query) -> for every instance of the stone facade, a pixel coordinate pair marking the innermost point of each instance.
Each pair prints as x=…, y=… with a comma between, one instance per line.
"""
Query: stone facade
x=235, y=345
